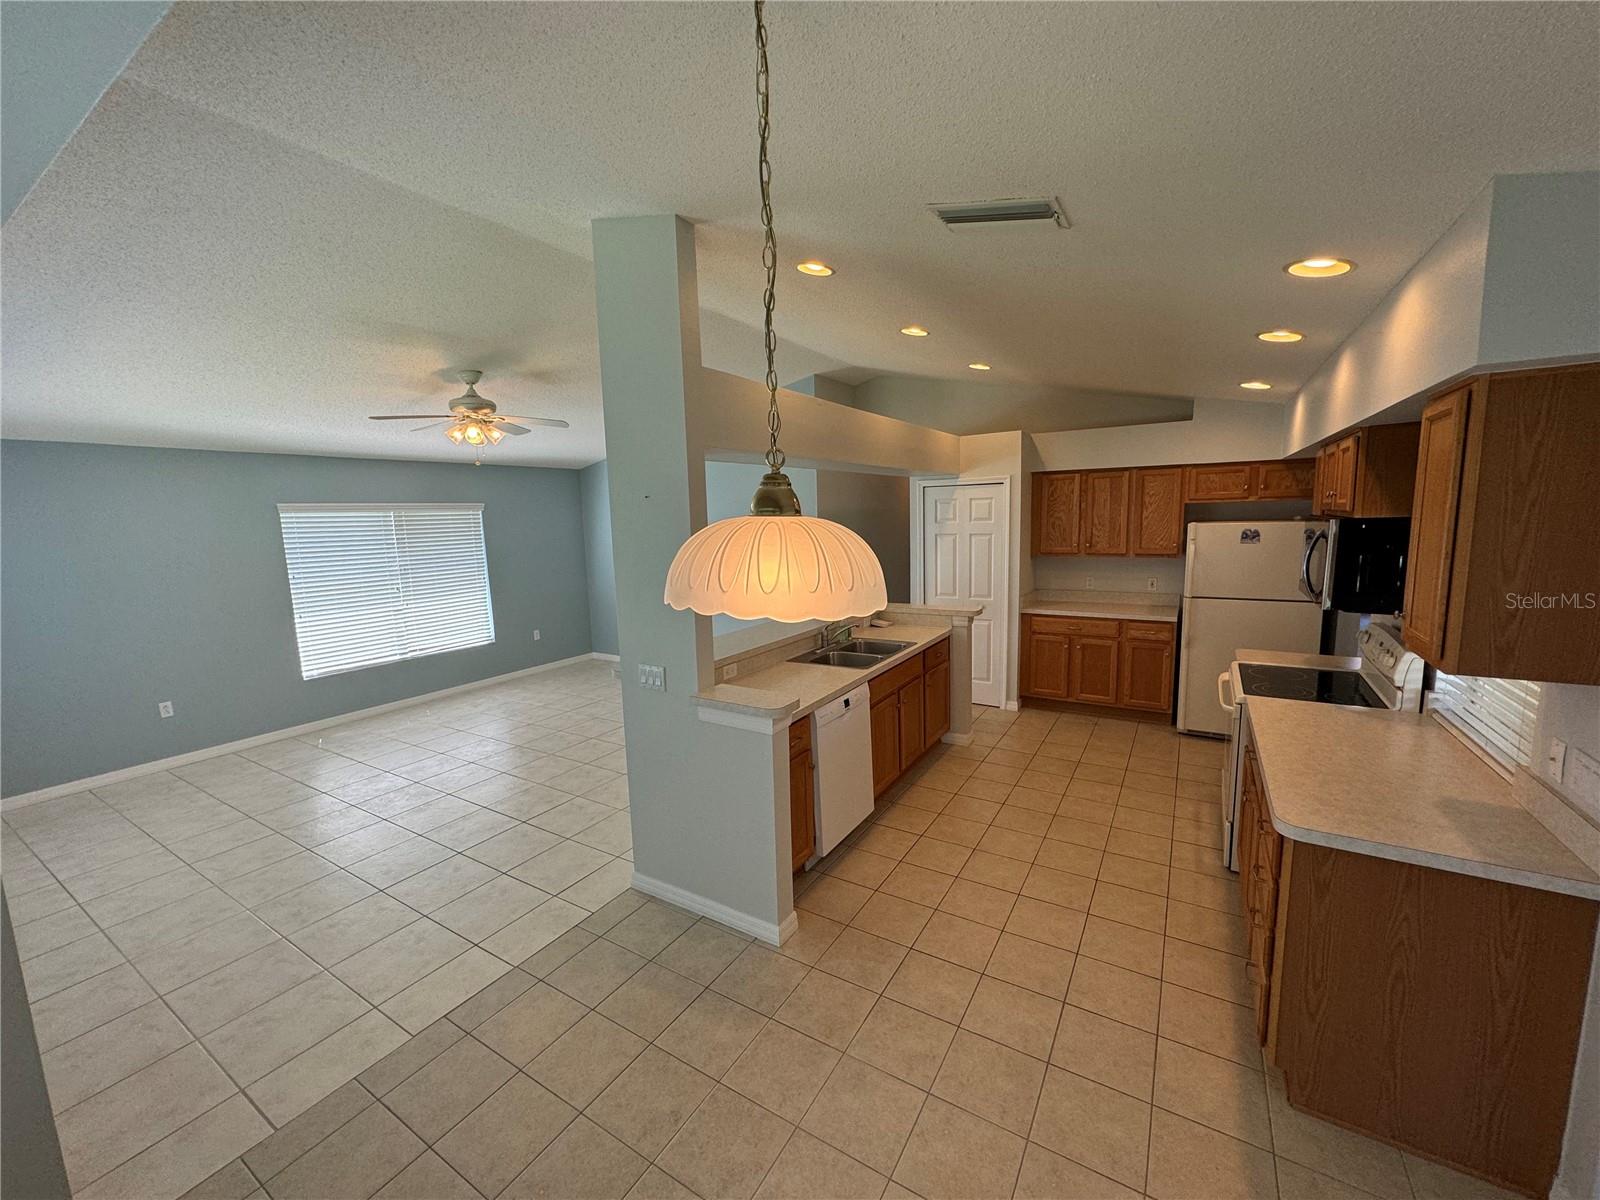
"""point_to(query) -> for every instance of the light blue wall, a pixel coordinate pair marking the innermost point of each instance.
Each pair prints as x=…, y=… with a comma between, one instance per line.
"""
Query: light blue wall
x=132, y=575
x=597, y=552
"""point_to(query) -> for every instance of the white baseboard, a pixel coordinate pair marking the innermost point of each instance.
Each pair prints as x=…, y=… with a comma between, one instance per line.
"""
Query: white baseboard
x=605, y=657
x=23, y=799
x=767, y=931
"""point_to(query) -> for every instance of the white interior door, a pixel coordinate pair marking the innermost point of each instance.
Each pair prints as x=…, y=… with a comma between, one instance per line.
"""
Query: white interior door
x=964, y=562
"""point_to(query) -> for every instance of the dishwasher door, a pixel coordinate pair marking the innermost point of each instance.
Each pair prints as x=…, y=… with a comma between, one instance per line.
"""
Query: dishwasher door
x=841, y=738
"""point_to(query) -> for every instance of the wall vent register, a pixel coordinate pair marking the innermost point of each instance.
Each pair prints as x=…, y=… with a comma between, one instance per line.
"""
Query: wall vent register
x=379, y=583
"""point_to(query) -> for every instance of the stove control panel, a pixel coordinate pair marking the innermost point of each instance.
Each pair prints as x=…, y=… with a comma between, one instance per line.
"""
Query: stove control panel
x=1384, y=656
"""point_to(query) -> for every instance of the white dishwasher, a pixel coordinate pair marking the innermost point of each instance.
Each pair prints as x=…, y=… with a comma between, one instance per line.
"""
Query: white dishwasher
x=841, y=739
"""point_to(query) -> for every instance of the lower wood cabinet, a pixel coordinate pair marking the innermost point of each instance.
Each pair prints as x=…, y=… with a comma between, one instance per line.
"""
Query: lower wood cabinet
x=802, y=788
x=1119, y=664
x=1436, y=1011
x=910, y=713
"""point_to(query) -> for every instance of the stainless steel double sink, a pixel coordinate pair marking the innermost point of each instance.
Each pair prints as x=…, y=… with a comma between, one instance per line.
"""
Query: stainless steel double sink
x=857, y=653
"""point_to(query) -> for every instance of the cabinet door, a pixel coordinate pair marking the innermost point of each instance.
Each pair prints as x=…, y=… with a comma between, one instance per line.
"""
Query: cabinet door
x=1433, y=523
x=911, y=743
x=1157, y=510
x=936, y=703
x=1146, y=675
x=1346, y=461
x=1044, y=663
x=1103, y=528
x=1220, y=481
x=1291, y=479
x=1092, y=673
x=802, y=809
x=885, y=742
x=1322, y=484
x=1055, y=513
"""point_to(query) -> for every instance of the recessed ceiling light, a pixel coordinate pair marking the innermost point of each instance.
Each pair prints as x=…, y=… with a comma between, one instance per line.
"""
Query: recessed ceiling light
x=1320, y=268
x=914, y=331
x=1280, y=335
x=1256, y=385
x=979, y=366
x=812, y=267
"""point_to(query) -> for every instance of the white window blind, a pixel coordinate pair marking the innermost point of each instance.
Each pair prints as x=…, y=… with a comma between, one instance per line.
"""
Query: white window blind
x=1497, y=714
x=378, y=583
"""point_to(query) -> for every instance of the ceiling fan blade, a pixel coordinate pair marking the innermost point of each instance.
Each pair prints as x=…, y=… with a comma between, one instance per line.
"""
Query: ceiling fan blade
x=513, y=430
x=433, y=425
x=413, y=417
x=550, y=421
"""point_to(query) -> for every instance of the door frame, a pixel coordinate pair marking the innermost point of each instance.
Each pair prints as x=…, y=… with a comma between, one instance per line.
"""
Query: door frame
x=919, y=485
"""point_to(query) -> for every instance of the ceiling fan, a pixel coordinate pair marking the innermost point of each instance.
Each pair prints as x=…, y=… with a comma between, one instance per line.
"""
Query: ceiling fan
x=473, y=419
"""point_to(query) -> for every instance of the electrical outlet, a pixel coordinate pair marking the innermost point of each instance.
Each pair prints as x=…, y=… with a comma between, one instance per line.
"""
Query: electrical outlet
x=536, y=635
x=1150, y=584
x=164, y=708
x=731, y=671
x=653, y=678
x=1089, y=582
x=1555, y=761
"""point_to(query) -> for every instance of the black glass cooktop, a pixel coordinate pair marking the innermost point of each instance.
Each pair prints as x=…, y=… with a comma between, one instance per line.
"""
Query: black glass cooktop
x=1306, y=683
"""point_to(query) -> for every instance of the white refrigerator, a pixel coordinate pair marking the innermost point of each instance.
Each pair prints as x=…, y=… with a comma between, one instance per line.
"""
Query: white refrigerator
x=1255, y=585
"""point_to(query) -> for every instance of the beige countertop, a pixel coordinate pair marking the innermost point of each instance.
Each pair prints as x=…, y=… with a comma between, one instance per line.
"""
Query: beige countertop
x=796, y=689
x=1111, y=610
x=1401, y=786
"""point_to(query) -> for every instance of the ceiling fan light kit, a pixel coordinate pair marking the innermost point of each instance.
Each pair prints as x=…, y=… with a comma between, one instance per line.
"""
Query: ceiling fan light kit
x=474, y=421
x=775, y=563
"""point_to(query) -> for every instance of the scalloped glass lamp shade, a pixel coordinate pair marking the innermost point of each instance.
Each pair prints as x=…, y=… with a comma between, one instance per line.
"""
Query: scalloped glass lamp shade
x=783, y=568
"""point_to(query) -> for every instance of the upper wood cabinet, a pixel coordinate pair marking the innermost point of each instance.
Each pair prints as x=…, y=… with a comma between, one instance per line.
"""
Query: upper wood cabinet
x=1291, y=479
x=1139, y=511
x=1368, y=473
x=1211, y=482
x=1157, y=511
x=1055, y=513
x=1504, y=560
x=1103, y=528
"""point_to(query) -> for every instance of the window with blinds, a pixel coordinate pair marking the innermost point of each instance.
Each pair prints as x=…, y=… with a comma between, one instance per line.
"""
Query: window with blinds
x=379, y=583
x=1497, y=714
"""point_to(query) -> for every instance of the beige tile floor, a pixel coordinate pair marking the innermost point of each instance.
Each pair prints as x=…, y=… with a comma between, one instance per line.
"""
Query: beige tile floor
x=1022, y=978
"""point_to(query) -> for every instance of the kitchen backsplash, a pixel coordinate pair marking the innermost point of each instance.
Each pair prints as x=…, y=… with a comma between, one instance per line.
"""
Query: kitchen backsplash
x=1110, y=575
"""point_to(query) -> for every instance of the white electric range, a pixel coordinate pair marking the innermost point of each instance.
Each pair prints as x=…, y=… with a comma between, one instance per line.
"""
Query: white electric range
x=1389, y=676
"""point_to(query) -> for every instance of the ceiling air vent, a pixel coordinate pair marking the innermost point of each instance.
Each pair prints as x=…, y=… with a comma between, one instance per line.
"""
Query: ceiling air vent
x=1001, y=212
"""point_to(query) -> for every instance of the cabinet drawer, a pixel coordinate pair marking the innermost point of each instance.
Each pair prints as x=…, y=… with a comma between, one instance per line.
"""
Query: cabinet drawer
x=892, y=681
x=935, y=654
x=1076, y=626
x=800, y=735
x=1148, y=631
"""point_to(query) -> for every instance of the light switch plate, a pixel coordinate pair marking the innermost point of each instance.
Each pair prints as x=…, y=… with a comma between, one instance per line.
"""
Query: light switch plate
x=653, y=678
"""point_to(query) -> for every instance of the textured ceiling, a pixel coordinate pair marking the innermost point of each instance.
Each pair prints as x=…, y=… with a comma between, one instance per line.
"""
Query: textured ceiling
x=286, y=216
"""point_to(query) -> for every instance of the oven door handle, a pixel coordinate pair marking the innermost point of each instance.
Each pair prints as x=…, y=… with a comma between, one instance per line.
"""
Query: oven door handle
x=1224, y=697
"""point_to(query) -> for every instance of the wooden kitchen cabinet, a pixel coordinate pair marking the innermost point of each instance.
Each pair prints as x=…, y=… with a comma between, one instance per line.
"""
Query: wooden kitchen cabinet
x=1092, y=670
x=1368, y=473
x=1146, y=665
x=1434, y=1010
x=1503, y=556
x=802, y=788
x=1210, y=482
x=1290, y=479
x=907, y=708
x=1055, y=513
x=935, y=694
x=1156, y=511
x=1119, y=664
x=1103, y=528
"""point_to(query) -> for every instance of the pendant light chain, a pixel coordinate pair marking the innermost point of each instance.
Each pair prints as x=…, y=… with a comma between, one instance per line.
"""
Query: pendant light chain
x=769, y=247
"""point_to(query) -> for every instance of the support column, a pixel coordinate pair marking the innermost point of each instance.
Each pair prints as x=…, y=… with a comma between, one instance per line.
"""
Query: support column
x=704, y=797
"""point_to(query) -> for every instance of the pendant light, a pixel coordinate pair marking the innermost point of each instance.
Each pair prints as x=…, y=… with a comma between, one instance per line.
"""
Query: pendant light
x=776, y=562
